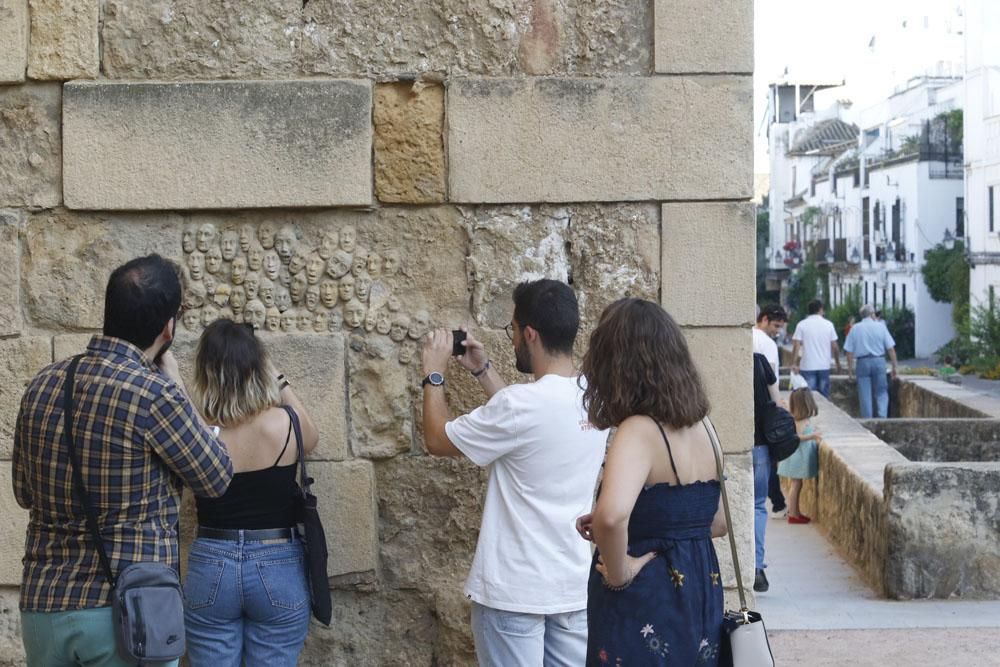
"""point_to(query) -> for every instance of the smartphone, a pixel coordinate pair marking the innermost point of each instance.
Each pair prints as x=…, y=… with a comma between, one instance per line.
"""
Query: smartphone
x=457, y=336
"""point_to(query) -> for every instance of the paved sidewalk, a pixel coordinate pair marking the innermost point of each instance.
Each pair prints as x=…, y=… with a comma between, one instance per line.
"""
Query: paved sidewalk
x=819, y=612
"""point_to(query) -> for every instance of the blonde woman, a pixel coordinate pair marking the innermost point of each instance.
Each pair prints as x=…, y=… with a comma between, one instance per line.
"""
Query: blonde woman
x=246, y=589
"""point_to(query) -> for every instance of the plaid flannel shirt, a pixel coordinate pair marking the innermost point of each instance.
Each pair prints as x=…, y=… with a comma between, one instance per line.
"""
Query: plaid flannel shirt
x=138, y=441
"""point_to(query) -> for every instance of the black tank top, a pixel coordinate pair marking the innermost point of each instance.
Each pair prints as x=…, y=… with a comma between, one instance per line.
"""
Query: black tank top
x=255, y=499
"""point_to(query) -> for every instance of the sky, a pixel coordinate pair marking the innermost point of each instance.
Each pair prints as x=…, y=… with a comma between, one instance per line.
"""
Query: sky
x=873, y=45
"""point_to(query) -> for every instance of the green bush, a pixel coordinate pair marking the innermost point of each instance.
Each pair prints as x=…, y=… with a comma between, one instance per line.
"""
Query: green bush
x=847, y=309
x=899, y=321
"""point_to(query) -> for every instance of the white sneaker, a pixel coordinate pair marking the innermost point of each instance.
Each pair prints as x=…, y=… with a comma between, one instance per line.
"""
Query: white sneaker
x=780, y=515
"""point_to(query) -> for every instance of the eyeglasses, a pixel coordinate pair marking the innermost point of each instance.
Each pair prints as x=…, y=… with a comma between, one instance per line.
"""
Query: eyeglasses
x=510, y=330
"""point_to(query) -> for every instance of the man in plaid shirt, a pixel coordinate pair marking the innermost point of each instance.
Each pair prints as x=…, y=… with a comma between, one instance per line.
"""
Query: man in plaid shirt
x=138, y=440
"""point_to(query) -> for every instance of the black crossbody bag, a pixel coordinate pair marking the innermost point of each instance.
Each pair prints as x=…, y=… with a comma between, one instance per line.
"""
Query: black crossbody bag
x=147, y=599
x=312, y=534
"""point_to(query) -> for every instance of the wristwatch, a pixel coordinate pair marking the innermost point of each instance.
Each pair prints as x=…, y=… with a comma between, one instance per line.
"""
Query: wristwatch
x=435, y=379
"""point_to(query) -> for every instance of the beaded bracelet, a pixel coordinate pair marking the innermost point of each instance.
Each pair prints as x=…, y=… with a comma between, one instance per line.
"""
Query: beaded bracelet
x=482, y=371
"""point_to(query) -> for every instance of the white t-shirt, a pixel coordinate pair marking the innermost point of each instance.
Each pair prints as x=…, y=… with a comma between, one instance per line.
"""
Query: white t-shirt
x=543, y=457
x=815, y=333
x=764, y=344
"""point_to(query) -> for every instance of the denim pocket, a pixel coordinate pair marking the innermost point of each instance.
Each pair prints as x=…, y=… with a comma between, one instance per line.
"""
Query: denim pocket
x=515, y=623
x=284, y=580
x=201, y=586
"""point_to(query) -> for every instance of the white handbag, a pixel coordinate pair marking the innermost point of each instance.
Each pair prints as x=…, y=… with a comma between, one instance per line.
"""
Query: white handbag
x=744, y=638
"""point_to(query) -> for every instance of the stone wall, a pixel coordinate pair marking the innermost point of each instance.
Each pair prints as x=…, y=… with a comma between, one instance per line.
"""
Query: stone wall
x=347, y=174
x=940, y=440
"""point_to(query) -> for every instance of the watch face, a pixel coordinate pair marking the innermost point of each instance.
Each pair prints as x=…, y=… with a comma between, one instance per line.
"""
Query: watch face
x=436, y=379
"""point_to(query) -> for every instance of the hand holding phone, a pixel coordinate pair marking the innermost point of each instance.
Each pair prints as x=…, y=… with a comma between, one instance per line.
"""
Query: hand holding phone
x=457, y=338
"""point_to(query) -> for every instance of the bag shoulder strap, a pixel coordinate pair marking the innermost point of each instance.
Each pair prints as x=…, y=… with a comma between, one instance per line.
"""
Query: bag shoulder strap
x=305, y=481
x=81, y=489
x=716, y=450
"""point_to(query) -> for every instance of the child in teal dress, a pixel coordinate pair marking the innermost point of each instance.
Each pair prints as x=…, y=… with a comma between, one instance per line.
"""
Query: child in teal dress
x=804, y=463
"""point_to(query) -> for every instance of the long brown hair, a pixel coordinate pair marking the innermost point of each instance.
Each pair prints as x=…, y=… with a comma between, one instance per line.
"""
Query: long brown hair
x=638, y=363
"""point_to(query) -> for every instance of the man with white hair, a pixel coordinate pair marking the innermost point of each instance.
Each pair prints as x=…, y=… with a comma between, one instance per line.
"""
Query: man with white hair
x=868, y=343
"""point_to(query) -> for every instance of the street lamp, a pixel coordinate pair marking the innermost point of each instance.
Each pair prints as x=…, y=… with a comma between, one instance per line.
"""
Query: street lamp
x=855, y=256
x=829, y=257
x=949, y=240
x=777, y=255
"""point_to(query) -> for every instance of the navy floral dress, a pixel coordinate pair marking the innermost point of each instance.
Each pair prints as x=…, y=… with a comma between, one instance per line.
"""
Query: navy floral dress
x=671, y=613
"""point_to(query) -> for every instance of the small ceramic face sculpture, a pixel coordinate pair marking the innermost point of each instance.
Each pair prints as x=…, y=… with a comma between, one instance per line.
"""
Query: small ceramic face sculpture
x=272, y=320
x=298, y=288
x=312, y=298
x=272, y=264
x=196, y=265
x=314, y=268
x=419, y=325
x=192, y=319
x=266, y=292
x=255, y=257
x=284, y=241
x=208, y=315
x=407, y=351
x=336, y=320
x=255, y=313
x=188, y=242
x=221, y=295
x=374, y=265
x=239, y=272
x=213, y=260
x=328, y=245
x=328, y=293
x=371, y=320
x=320, y=321
x=348, y=239
x=391, y=265
x=265, y=235
x=338, y=265
x=288, y=321
x=383, y=324
x=206, y=237
x=354, y=314
x=246, y=237
x=194, y=296
x=230, y=245
x=359, y=265
x=297, y=263
x=282, y=299
x=363, y=287
x=238, y=298
x=400, y=326
x=393, y=303
x=252, y=285
x=346, y=289
x=304, y=322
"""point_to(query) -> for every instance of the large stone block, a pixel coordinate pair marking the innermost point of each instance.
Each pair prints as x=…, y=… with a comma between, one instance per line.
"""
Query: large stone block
x=347, y=505
x=69, y=345
x=11, y=224
x=14, y=37
x=373, y=39
x=11, y=646
x=739, y=488
x=67, y=258
x=627, y=139
x=30, y=141
x=20, y=360
x=715, y=242
x=64, y=42
x=724, y=357
x=217, y=144
x=409, y=143
x=693, y=37
x=12, y=530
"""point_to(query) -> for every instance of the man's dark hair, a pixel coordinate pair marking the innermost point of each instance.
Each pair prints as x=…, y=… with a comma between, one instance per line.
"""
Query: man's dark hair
x=814, y=306
x=550, y=308
x=773, y=312
x=141, y=297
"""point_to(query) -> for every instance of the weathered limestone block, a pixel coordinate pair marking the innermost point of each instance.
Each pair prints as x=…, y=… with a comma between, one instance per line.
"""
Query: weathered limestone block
x=714, y=241
x=67, y=258
x=347, y=506
x=409, y=143
x=69, y=345
x=11, y=647
x=205, y=145
x=373, y=39
x=692, y=37
x=933, y=558
x=14, y=37
x=572, y=140
x=382, y=395
x=724, y=357
x=20, y=359
x=739, y=486
x=10, y=272
x=30, y=136
x=12, y=530
x=64, y=42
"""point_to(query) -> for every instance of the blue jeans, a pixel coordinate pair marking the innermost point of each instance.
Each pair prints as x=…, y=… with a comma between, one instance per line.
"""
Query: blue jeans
x=72, y=638
x=515, y=639
x=761, y=475
x=871, y=379
x=246, y=601
x=818, y=381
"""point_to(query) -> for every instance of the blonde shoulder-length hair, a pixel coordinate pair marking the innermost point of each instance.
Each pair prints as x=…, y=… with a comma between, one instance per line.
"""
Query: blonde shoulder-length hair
x=231, y=382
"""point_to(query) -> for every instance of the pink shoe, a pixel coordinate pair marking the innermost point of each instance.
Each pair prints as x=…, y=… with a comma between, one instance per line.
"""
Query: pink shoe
x=802, y=518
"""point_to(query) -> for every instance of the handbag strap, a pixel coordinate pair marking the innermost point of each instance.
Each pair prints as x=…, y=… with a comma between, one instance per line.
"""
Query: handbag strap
x=716, y=449
x=305, y=481
x=81, y=489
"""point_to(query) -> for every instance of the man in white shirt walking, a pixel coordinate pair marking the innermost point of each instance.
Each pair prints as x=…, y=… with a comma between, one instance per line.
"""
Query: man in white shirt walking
x=816, y=338
x=770, y=321
x=528, y=582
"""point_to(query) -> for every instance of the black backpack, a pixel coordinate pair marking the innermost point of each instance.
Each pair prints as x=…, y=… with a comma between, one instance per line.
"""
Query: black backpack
x=780, y=434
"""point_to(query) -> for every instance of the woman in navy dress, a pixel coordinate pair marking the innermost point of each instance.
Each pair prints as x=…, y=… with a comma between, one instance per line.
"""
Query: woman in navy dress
x=655, y=593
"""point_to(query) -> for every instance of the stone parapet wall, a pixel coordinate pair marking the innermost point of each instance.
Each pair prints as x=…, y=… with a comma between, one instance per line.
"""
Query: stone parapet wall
x=940, y=440
x=345, y=176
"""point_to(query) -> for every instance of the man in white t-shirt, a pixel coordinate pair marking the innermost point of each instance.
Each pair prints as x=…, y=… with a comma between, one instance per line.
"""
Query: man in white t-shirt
x=528, y=582
x=816, y=338
x=770, y=320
